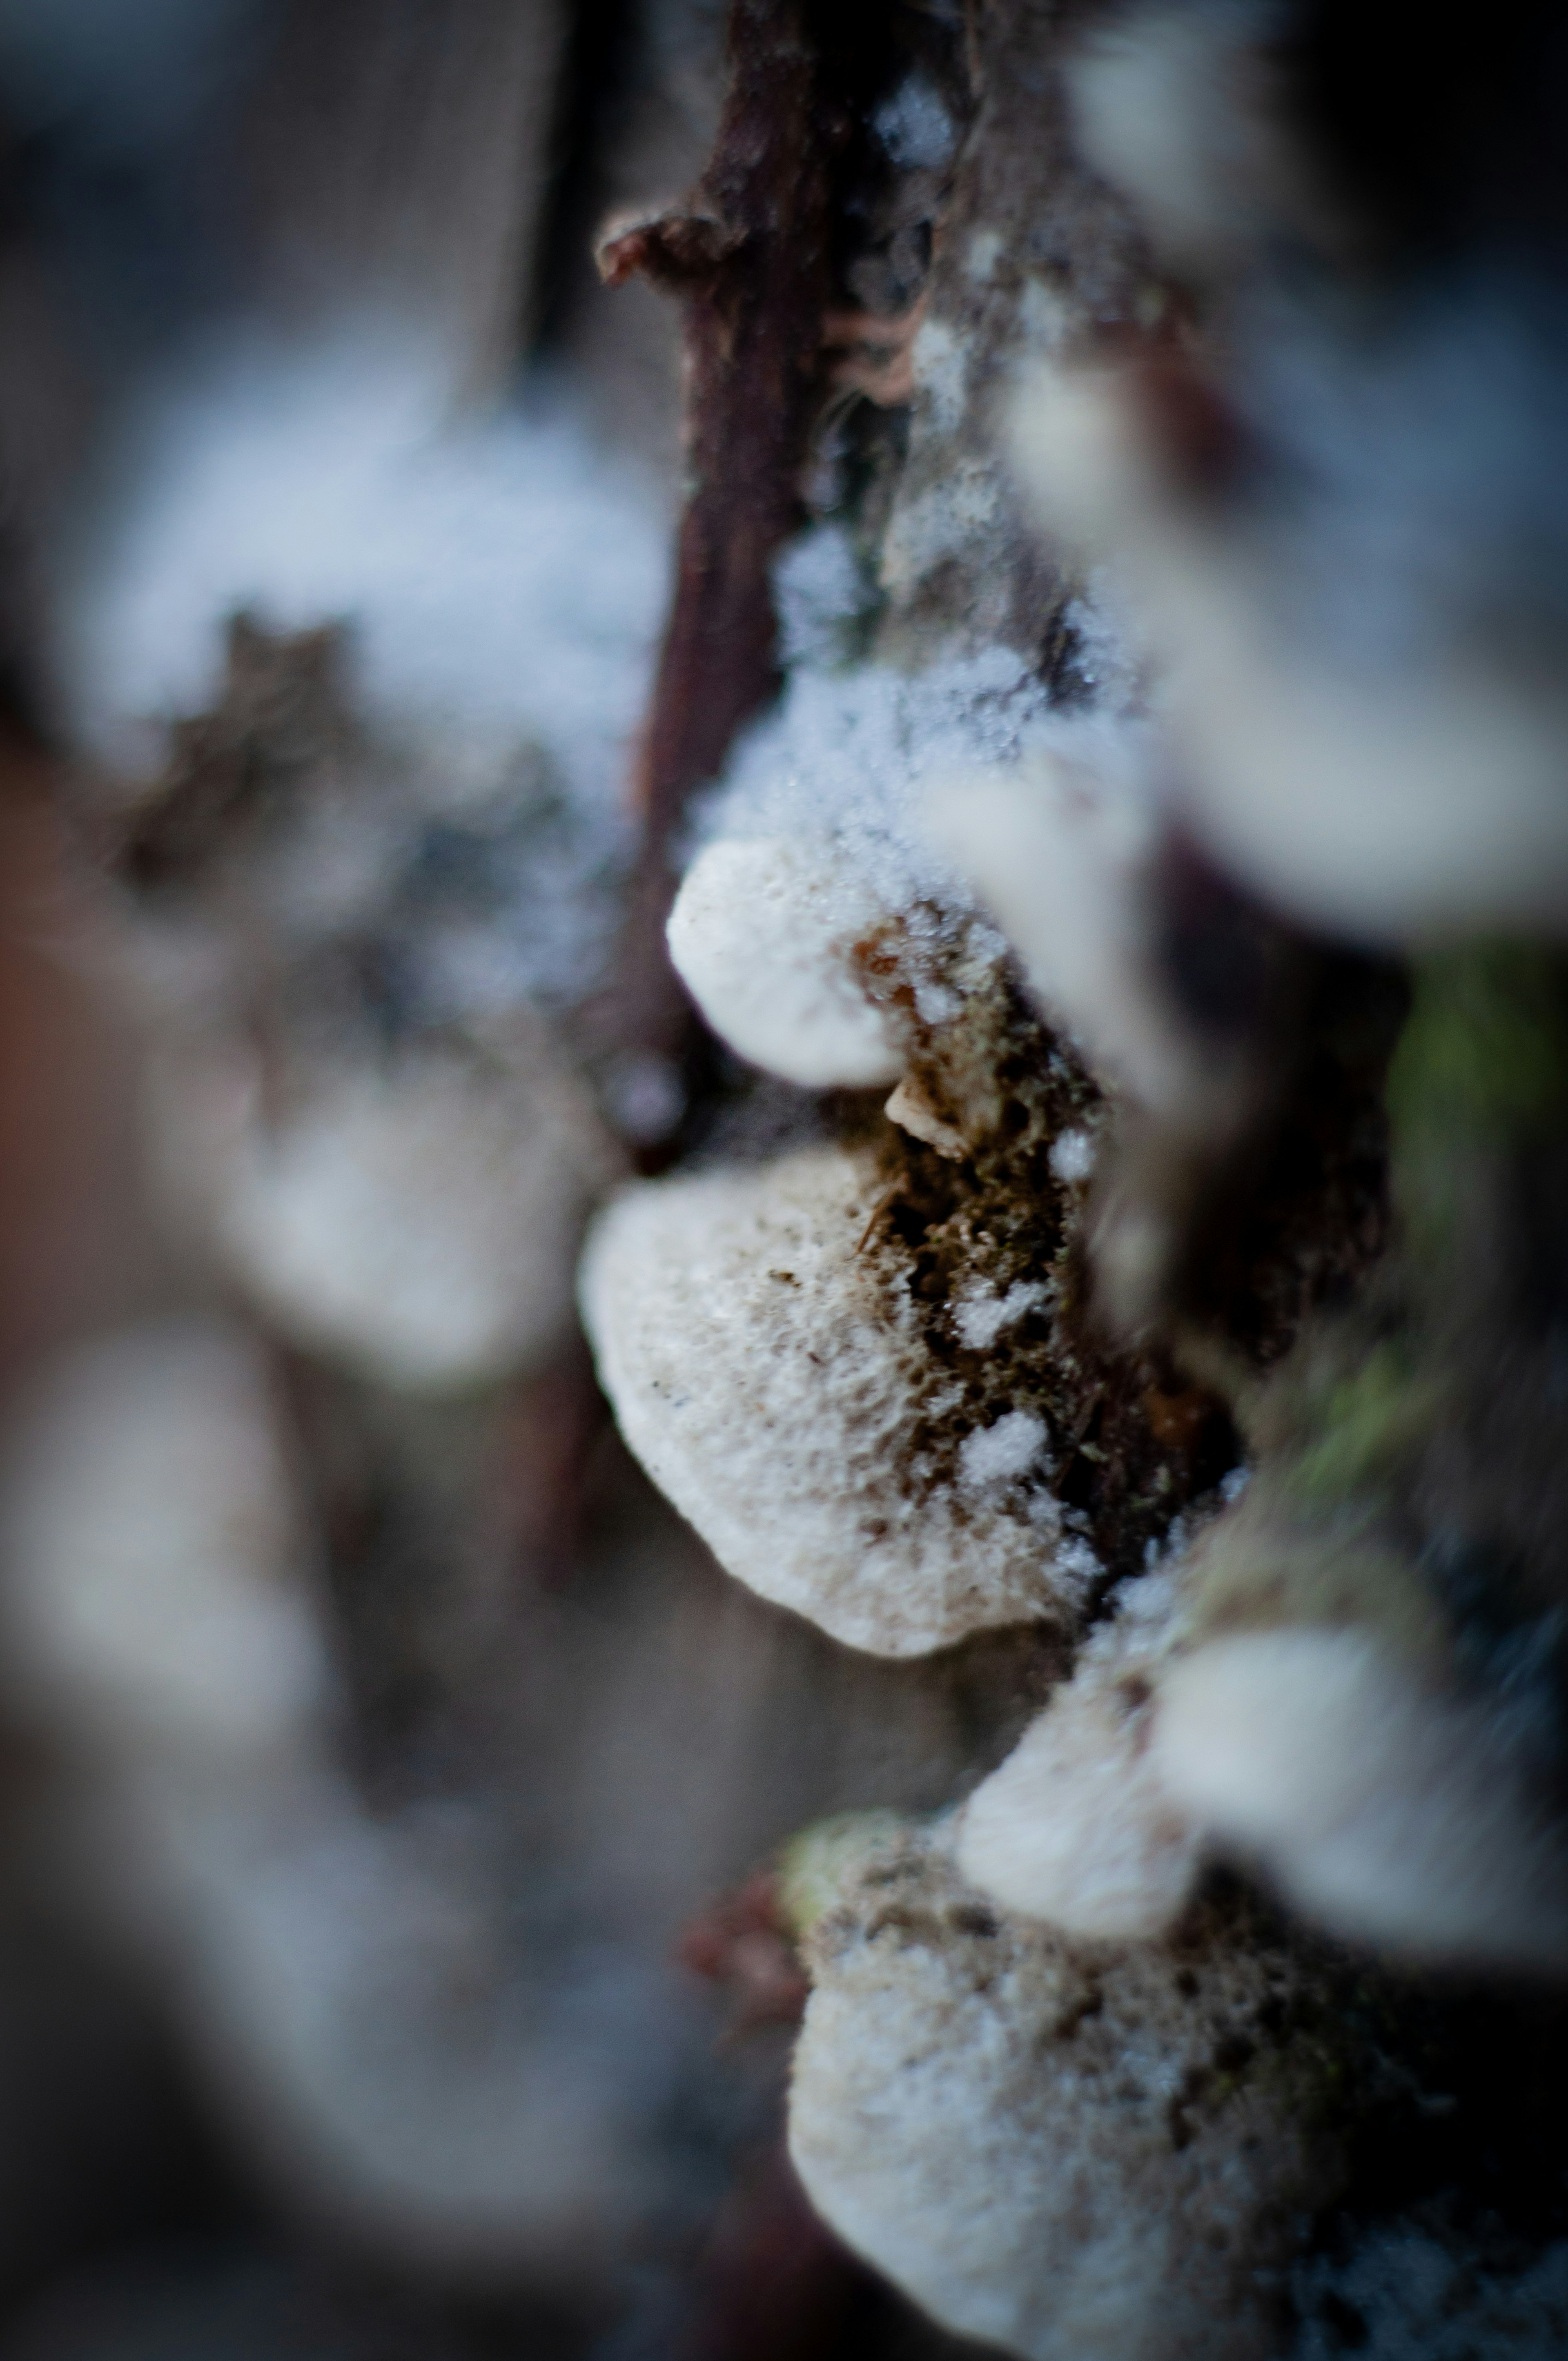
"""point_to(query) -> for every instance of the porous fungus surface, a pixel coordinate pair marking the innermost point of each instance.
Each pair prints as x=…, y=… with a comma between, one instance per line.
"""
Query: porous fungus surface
x=1085, y=2154
x=770, y=1368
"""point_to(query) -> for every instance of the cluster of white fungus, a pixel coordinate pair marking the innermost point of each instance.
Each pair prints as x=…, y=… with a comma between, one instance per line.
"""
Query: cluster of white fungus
x=503, y=576
x=1058, y=2077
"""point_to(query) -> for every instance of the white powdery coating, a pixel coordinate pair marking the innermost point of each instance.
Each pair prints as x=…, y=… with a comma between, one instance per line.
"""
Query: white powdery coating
x=771, y=1380
x=504, y=581
x=846, y=761
x=761, y=935
x=419, y=1222
x=1076, y=1826
x=999, y=1453
x=825, y=597
x=986, y=2115
x=152, y=1539
x=981, y=1314
x=1386, y=1811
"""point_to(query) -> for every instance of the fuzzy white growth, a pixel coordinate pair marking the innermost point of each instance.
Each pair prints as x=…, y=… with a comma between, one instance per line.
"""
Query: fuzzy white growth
x=772, y=1377
x=154, y=1549
x=985, y=2115
x=1072, y=1157
x=1057, y=851
x=761, y=934
x=981, y=1314
x=993, y=1456
x=504, y=580
x=1076, y=1826
x=419, y=1222
x=1388, y=1811
x=915, y=128
x=846, y=761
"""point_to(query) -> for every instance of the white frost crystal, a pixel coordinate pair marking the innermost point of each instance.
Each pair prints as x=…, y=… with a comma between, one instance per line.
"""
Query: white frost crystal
x=418, y=1220
x=761, y=935
x=1386, y=1809
x=1076, y=1826
x=844, y=764
x=768, y=1366
x=1045, y=2145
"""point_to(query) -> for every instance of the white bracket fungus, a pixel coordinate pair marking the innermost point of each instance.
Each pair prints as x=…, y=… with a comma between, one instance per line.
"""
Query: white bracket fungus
x=1386, y=1809
x=768, y=1367
x=761, y=935
x=1077, y=1828
x=1041, y=2143
x=1058, y=853
x=1388, y=803
x=337, y=1968
x=154, y=1601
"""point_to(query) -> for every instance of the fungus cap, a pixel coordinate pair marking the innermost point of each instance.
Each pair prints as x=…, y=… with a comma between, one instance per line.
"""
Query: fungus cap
x=1059, y=852
x=154, y=1550
x=1075, y=1827
x=761, y=935
x=766, y=1361
x=1386, y=1808
x=984, y=2110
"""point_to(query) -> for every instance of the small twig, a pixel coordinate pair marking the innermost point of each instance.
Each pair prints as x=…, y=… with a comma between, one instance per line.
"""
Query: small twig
x=748, y=255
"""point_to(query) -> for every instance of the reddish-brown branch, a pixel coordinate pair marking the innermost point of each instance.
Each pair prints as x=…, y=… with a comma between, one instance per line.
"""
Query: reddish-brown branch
x=747, y=254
